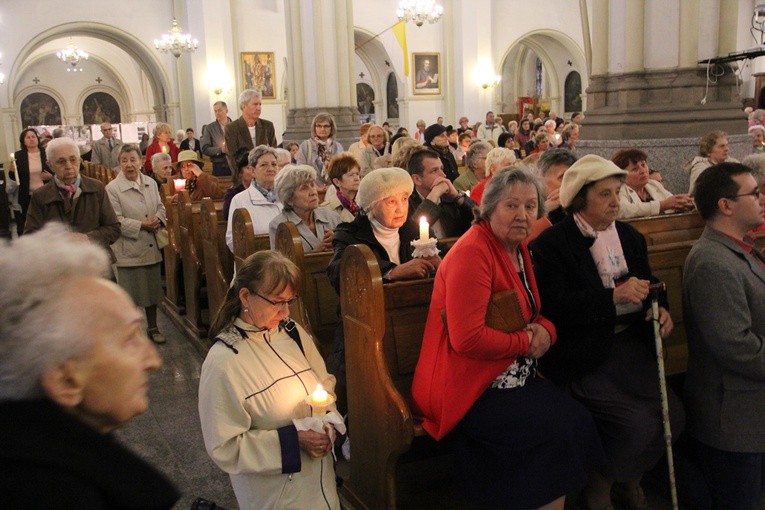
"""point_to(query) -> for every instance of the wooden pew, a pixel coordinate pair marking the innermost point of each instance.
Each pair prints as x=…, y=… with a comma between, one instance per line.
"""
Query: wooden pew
x=174, y=300
x=669, y=228
x=245, y=241
x=217, y=258
x=192, y=253
x=383, y=325
x=316, y=310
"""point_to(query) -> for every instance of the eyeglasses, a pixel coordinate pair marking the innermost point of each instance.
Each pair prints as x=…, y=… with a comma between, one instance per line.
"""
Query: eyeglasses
x=756, y=194
x=323, y=126
x=289, y=302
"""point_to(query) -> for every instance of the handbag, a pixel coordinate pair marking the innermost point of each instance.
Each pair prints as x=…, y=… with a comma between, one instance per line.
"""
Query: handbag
x=503, y=312
x=162, y=237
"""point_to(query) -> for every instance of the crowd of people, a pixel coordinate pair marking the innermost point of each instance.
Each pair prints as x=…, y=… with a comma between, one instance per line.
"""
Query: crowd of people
x=559, y=396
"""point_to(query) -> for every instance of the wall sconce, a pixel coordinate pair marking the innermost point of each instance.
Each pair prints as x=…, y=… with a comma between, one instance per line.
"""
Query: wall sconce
x=217, y=79
x=484, y=75
x=491, y=82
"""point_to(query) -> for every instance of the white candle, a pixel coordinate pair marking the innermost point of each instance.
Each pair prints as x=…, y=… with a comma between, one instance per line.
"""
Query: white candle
x=164, y=150
x=319, y=397
x=424, y=229
x=180, y=184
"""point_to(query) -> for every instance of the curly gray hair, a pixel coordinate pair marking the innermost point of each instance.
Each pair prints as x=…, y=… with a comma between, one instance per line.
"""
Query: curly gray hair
x=290, y=179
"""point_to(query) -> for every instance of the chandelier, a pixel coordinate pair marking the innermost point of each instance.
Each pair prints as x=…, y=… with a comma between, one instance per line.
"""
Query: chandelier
x=419, y=11
x=72, y=56
x=175, y=42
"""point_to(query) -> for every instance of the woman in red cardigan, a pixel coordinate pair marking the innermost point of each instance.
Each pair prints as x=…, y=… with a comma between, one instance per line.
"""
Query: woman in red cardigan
x=521, y=441
x=163, y=142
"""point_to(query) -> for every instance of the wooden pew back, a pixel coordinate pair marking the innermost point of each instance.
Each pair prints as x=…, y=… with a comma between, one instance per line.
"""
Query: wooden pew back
x=316, y=310
x=215, y=273
x=383, y=325
x=245, y=241
x=172, y=255
x=669, y=228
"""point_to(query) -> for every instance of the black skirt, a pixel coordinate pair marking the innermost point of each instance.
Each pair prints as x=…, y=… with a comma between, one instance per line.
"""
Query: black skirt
x=525, y=447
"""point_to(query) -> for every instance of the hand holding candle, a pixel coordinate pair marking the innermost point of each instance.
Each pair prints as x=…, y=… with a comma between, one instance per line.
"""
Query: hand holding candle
x=424, y=229
x=319, y=397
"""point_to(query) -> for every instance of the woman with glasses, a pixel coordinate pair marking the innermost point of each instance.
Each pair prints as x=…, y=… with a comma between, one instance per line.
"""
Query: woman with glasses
x=254, y=382
x=319, y=149
x=198, y=183
x=259, y=198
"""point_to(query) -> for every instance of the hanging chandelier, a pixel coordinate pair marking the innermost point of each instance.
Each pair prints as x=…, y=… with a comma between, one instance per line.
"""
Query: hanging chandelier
x=72, y=56
x=419, y=11
x=176, y=42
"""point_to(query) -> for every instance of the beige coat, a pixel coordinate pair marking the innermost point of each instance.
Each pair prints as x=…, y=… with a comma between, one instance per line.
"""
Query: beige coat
x=630, y=205
x=133, y=202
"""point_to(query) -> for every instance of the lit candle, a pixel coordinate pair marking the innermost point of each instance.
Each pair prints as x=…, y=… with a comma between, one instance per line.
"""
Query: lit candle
x=180, y=184
x=164, y=150
x=424, y=229
x=320, y=397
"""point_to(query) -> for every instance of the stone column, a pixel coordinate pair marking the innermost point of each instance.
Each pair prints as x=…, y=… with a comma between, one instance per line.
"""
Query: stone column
x=654, y=95
x=320, y=57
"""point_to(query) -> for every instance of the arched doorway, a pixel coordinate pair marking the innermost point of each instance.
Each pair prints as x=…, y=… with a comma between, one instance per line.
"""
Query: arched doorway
x=375, y=64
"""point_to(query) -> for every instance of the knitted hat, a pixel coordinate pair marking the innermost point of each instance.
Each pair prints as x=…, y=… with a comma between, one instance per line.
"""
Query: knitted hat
x=587, y=169
x=433, y=131
x=188, y=156
x=382, y=183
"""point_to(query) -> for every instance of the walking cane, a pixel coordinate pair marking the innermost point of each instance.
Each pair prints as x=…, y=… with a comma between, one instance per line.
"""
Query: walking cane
x=655, y=290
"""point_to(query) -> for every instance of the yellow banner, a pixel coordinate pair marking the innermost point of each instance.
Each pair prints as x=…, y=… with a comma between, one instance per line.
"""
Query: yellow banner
x=399, y=29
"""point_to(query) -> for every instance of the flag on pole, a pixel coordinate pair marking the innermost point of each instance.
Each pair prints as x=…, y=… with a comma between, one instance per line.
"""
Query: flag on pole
x=399, y=30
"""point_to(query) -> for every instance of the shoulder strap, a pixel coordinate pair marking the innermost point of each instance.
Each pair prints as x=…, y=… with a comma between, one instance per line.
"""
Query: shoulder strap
x=290, y=327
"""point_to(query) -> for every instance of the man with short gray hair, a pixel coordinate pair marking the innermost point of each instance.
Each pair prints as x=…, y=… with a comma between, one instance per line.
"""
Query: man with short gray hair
x=249, y=130
x=106, y=150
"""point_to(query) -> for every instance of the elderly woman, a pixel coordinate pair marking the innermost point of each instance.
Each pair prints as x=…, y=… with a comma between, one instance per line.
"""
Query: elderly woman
x=641, y=196
x=75, y=367
x=295, y=188
x=254, y=383
x=496, y=159
x=74, y=199
x=319, y=149
x=377, y=146
x=594, y=277
x=30, y=170
x=475, y=160
x=758, y=138
x=521, y=442
x=541, y=143
x=713, y=149
x=384, y=197
x=139, y=209
x=419, y=135
x=163, y=167
x=344, y=172
x=198, y=183
x=259, y=198
x=162, y=142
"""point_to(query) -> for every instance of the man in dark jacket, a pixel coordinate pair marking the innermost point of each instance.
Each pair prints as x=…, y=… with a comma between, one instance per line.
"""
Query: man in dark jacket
x=437, y=139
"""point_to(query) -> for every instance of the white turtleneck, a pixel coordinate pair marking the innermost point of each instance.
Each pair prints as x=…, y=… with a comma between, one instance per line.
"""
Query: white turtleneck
x=388, y=238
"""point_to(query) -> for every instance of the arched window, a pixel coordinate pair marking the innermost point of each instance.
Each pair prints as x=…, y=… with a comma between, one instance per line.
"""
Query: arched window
x=539, y=77
x=392, y=96
x=573, y=92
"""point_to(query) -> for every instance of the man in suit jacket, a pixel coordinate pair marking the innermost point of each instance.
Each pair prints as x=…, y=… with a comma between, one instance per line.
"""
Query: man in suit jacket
x=213, y=139
x=249, y=130
x=724, y=310
x=106, y=150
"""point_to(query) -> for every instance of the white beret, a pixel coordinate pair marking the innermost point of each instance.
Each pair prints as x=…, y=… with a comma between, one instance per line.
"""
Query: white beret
x=382, y=183
x=587, y=169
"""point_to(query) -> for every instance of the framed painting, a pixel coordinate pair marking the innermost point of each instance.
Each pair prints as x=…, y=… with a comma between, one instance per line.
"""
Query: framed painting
x=427, y=73
x=258, y=72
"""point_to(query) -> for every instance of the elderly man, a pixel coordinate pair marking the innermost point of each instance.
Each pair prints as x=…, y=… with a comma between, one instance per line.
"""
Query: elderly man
x=723, y=296
x=71, y=198
x=448, y=211
x=106, y=149
x=249, y=130
x=213, y=139
x=75, y=367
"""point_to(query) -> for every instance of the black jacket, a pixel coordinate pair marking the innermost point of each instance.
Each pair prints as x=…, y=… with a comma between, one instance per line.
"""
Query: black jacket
x=447, y=159
x=455, y=219
x=50, y=459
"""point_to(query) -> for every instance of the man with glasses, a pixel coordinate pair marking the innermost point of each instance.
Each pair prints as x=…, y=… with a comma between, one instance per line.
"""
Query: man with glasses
x=724, y=310
x=106, y=150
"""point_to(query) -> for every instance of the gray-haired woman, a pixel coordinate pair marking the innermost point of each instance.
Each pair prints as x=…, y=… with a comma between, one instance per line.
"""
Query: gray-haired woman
x=475, y=160
x=296, y=189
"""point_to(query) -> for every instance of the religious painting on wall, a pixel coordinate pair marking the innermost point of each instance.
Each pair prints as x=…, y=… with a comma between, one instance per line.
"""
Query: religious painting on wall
x=40, y=109
x=391, y=91
x=258, y=71
x=365, y=97
x=100, y=107
x=572, y=99
x=427, y=73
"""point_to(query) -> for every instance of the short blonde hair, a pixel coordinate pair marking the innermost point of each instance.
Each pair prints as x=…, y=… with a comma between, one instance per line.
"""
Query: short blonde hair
x=496, y=156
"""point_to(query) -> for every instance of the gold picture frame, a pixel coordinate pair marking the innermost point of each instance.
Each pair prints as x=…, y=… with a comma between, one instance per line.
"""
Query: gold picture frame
x=427, y=73
x=259, y=72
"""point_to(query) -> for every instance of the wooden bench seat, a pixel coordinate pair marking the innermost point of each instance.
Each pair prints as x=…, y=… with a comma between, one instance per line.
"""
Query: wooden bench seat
x=174, y=300
x=317, y=308
x=218, y=260
x=245, y=241
x=384, y=326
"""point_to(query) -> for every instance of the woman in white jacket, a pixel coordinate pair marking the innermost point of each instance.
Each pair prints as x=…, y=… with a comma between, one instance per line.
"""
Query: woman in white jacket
x=254, y=383
x=640, y=196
